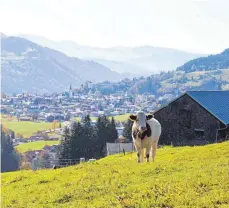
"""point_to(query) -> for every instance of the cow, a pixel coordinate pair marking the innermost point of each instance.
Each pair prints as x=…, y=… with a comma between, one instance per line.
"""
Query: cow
x=146, y=131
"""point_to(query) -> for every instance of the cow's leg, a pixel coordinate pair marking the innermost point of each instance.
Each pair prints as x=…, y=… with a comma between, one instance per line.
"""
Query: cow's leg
x=148, y=148
x=142, y=154
x=138, y=153
x=154, y=148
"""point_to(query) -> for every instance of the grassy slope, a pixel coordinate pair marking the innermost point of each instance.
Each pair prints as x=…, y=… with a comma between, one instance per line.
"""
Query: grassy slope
x=26, y=128
x=180, y=177
x=34, y=145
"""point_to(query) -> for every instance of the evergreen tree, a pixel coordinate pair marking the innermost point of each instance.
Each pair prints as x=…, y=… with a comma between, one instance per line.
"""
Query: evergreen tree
x=106, y=132
x=88, y=141
x=65, y=146
x=88, y=136
x=77, y=141
x=127, y=131
x=101, y=137
x=9, y=158
x=112, y=131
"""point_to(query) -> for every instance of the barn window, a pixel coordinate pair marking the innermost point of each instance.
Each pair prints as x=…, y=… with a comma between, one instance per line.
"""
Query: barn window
x=199, y=132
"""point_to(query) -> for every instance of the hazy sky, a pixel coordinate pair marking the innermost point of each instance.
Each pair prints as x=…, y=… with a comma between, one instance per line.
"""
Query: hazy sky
x=194, y=25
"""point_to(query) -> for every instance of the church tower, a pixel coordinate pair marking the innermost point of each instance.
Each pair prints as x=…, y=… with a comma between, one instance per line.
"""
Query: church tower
x=70, y=91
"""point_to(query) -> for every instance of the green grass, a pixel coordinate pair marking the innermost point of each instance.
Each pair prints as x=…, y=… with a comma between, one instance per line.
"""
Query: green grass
x=26, y=128
x=121, y=117
x=34, y=145
x=191, y=177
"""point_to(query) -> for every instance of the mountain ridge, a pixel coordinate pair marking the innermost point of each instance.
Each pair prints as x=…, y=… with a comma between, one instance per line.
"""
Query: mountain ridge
x=211, y=62
x=123, y=55
x=207, y=76
x=25, y=63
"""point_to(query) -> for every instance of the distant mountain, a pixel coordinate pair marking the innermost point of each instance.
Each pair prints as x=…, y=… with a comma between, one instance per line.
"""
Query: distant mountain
x=124, y=67
x=205, y=73
x=212, y=62
x=137, y=60
x=27, y=66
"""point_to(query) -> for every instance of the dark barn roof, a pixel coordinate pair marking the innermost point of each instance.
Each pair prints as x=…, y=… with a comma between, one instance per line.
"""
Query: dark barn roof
x=215, y=102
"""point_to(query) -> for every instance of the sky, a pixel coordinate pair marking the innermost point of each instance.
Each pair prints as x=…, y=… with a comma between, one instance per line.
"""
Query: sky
x=192, y=25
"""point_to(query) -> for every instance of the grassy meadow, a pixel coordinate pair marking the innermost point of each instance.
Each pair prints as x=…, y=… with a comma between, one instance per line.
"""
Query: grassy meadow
x=28, y=128
x=191, y=177
x=34, y=145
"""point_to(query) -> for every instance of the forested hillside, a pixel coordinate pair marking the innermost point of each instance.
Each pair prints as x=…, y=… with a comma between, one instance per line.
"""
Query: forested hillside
x=212, y=62
x=206, y=73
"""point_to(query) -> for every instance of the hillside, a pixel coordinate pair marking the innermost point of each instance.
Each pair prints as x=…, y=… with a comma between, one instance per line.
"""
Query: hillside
x=212, y=62
x=27, y=66
x=194, y=177
x=136, y=60
x=207, y=76
x=173, y=83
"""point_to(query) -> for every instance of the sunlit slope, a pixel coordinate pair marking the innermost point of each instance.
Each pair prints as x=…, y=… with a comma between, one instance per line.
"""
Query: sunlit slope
x=180, y=177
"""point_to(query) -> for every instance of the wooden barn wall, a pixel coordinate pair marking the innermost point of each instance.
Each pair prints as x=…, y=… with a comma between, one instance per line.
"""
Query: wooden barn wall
x=181, y=117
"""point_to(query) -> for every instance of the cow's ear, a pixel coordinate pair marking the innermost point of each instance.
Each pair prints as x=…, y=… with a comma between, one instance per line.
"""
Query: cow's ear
x=149, y=116
x=133, y=117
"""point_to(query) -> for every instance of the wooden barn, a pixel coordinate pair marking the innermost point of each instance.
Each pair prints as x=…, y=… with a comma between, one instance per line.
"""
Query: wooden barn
x=195, y=118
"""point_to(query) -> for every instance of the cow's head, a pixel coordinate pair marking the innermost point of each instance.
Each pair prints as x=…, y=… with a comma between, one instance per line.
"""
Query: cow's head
x=140, y=120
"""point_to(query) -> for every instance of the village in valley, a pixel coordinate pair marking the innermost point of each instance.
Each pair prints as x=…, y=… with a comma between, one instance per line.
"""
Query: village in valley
x=74, y=103
x=60, y=110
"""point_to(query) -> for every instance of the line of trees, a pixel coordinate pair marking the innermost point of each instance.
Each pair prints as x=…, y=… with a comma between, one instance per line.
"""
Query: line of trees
x=85, y=140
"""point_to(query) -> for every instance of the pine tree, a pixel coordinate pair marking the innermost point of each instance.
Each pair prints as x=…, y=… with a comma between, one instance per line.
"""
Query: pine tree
x=100, y=135
x=106, y=132
x=127, y=131
x=88, y=133
x=112, y=131
x=9, y=158
x=77, y=141
x=65, y=146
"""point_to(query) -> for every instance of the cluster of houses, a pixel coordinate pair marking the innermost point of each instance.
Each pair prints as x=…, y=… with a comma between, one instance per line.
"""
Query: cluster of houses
x=37, y=136
x=63, y=106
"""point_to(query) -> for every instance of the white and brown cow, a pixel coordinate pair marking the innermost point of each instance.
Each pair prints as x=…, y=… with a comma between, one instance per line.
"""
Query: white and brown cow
x=146, y=131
